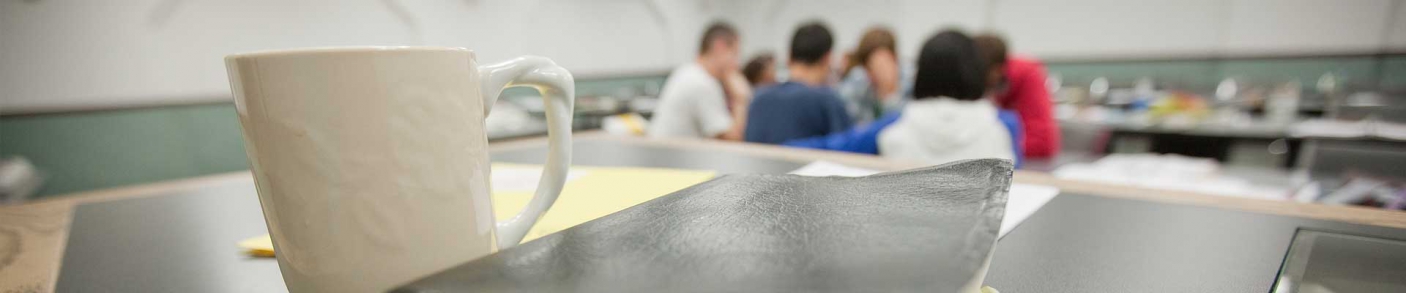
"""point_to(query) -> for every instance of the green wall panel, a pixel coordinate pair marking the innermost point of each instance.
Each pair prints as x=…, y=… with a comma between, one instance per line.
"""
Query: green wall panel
x=1394, y=74
x=1357, y=72
x=1183, y=74
x=94, y=150
x=84, y=151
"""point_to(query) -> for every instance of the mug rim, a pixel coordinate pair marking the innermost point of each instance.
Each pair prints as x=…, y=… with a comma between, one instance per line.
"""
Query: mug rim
x=346, y=49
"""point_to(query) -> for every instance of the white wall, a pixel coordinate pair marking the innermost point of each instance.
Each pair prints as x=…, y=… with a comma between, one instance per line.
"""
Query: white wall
x=1396, y=32
x=1113, y=28
x=65, y=54
x=57, y=54
x=1092, y=29
x=1293, y=26
x=769, y=24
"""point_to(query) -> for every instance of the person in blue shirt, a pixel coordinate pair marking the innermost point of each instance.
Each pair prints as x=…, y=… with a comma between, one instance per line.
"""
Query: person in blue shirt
x=803, y=106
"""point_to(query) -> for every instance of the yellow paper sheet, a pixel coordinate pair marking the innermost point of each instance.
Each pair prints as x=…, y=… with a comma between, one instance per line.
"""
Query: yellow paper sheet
x=261, y=246
x=590, y=193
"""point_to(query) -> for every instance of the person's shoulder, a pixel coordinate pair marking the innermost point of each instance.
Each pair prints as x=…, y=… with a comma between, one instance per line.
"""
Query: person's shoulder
x=1025, y=63
x=690, y=75
x=690, y=79
x=825, y=91
x=856, y=75
x=774, y=91
x=827, y=95
x=688, y=68
x=1024, y=59
x=765, y=90
x=796, y=89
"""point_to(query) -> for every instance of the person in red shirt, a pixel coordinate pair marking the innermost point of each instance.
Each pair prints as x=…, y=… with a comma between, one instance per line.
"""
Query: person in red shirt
x=1019, y=84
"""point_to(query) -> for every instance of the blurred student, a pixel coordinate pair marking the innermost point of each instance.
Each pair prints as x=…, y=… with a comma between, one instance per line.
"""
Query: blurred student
x=761, y=71
x=803, y=106
x=947, y=121
x=873, y=81
x=1020, y=87
x=706, y=98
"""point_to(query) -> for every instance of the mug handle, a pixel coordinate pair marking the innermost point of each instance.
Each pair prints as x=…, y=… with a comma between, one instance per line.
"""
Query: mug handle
x=558, y=91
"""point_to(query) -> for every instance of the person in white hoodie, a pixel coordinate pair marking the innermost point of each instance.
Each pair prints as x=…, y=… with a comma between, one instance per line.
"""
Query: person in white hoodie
x=949, y=118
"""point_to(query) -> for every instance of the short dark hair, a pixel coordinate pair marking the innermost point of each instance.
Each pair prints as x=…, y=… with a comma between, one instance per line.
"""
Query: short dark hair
x=810, y=43
x=753, y=69
x=949, y=66
x=992, y=48
x=716, y=31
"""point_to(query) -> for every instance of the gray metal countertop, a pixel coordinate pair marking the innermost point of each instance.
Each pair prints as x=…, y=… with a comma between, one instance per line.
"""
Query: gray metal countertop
x=1077, y=243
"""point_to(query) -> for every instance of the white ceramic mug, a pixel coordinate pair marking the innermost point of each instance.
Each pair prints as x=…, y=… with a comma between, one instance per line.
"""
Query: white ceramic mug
x=372, y=162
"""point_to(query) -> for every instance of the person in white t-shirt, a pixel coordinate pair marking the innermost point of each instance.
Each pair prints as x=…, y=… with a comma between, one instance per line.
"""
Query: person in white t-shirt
x=706, y=98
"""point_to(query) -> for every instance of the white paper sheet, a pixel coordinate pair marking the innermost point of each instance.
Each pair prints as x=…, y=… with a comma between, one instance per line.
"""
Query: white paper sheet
x=1169, y=172
x=1023, y=199
x=827, y=168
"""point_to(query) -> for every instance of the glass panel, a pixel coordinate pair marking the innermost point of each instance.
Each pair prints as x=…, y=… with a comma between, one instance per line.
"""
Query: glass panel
x=1323, y=262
